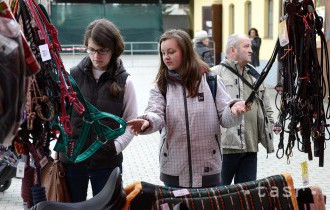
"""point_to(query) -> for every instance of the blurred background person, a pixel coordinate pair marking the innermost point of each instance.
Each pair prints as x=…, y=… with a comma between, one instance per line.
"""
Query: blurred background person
x=256, y=43
x=201, y=46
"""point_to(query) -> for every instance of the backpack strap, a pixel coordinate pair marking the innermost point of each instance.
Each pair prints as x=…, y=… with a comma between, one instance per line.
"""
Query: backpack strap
x=237, y=74
x=211, y=78
x=252, y=71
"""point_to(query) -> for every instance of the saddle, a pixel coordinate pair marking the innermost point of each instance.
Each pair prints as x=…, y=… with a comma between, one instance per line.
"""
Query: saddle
x=112, y=197
x=17, y=64
x=7, y=171
x=12, y=76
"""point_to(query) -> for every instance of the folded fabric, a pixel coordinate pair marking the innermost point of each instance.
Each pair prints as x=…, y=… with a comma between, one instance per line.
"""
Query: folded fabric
x=274, y=192
x=311, y=198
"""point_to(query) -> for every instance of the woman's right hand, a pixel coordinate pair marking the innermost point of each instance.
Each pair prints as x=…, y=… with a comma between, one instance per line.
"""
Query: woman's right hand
x=138, y=125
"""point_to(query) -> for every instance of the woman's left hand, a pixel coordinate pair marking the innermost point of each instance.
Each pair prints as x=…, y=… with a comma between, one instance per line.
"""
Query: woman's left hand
x=138, y=125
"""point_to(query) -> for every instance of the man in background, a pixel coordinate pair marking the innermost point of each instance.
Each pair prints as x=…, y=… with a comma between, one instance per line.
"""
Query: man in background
x=240, y=143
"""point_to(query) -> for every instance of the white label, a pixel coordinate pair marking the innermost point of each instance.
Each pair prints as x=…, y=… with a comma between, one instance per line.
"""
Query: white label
x=20, y=169
x=283, y=34
x=43, y=161
x=181, y=192
x=164, y=206
x=304, y=173
x=44, y=52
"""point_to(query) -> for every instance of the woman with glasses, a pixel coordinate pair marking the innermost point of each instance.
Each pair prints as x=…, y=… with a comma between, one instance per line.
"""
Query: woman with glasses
x=104, y=83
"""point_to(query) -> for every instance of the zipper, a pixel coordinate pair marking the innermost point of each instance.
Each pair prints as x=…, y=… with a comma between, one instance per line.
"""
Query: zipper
x=94, y=84
x=188, y=136
x=239, y=96
x=161, y=147
x=240, y=135
x=217, y=140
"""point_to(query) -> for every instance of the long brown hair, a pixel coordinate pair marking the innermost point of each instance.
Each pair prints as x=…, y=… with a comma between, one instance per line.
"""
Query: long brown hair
x=191, y=68
x=253, y=29
x=105, y=34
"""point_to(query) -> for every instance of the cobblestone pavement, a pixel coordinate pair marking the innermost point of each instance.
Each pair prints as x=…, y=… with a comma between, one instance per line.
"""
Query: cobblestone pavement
x=141, y=156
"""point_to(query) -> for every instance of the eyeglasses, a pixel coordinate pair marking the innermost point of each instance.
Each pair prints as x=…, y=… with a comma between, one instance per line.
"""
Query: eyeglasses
x=99, y=51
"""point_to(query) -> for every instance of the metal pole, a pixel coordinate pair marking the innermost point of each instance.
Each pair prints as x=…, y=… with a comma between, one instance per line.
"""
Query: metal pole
x=104, y=4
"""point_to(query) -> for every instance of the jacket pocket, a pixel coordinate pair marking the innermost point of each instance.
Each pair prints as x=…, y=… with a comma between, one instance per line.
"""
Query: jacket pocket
x=219, y=145
x=232, y=138
x=163, y=153
x=216, y=150
x=269, y=144
x=230, y=87
x=265, y=128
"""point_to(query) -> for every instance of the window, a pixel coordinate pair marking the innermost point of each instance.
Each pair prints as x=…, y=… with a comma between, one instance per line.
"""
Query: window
x=248, y=14
x=231, y=19
x=270, y=11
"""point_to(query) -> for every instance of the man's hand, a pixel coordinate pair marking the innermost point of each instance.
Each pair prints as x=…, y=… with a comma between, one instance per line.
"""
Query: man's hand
x=239, y=108
x=138, y=125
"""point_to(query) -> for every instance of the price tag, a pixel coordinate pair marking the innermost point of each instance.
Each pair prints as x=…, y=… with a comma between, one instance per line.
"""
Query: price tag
x=283, y=34
x=181, y=192
x=277, y=128
x=43, y=161
x=44, y=52
x=279, y=88
x=20, y=169
x=304, y=173
x=164, y=206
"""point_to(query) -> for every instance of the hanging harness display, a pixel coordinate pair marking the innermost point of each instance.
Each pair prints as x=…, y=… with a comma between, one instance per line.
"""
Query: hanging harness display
x=302, y=85
x=53, y=94
x=50, y=97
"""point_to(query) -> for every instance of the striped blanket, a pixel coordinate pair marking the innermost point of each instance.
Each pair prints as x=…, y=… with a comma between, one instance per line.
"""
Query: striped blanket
x=274, y=192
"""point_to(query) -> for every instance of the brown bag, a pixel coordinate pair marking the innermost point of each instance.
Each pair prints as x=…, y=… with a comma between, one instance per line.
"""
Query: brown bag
x=53, y=178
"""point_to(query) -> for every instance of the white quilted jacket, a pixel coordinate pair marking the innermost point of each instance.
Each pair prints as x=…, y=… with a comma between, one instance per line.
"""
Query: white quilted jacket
x=190, y=147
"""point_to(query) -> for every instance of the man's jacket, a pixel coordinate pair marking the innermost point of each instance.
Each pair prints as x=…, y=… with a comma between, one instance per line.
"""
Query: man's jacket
x=233, y=138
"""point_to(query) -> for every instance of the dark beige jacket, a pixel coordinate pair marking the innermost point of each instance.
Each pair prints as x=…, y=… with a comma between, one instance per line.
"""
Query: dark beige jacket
x=231, y=138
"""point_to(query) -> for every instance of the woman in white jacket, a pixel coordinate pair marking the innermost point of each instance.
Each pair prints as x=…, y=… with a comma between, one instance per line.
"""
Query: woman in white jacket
x=182, y=107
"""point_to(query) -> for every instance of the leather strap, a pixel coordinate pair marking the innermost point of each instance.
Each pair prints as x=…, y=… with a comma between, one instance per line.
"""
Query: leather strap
x=237, y=74
x=54, y=47
x=91, y=116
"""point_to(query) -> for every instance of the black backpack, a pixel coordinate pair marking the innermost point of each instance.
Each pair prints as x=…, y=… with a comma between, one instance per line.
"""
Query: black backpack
x=211, y=79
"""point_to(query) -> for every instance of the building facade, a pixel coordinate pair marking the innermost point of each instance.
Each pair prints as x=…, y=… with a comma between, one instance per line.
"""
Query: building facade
x=238, y=17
